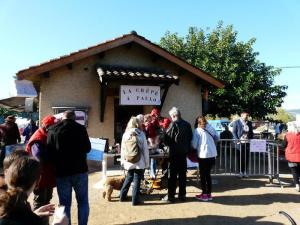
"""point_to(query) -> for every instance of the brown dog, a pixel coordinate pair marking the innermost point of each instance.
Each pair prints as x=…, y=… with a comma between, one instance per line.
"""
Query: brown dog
x=111, y=184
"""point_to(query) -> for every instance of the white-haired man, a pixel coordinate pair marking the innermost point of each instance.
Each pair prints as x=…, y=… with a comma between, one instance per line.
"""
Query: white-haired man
x=178, y=137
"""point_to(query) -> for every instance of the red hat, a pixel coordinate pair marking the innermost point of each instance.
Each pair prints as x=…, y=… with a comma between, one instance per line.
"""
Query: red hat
x=155, y=112
x=165, y=123
x=48, y=121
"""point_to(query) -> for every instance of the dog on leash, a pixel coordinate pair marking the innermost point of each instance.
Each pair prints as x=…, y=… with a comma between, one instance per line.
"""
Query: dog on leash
x=111, y=184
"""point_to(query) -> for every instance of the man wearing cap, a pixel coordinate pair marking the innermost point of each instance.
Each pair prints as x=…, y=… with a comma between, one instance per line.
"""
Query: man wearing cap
x=10, y=135
x=36, y=146
x=69, y=142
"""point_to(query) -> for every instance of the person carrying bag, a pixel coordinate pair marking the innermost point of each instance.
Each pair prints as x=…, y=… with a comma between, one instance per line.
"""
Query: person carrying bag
x=204, y=139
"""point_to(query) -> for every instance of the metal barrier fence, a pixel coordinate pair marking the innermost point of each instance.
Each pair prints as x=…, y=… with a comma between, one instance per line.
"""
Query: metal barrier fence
x=235, y=157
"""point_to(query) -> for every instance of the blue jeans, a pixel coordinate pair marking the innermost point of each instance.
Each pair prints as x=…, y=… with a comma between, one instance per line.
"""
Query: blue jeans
x=79, y=183
x=136, y=176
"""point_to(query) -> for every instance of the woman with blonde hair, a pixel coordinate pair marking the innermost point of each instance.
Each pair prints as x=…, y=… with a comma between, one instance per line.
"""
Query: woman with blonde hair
x=291, y=143
x=204, y=139
x=134, y=158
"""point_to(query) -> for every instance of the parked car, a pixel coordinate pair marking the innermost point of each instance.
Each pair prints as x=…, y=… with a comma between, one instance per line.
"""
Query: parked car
x=219, y=125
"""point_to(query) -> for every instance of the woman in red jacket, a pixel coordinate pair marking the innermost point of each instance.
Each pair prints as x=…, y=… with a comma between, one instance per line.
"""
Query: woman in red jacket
x=291, y=144
x=36, y=146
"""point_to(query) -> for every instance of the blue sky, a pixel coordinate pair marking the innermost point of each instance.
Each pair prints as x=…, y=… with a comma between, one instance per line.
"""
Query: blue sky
x=35, y=31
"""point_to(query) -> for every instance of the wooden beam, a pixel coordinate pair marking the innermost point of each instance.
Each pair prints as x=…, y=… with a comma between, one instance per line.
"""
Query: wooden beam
x=128, y=45
x=154, y=59
x=101, y=55
x=46, y=74
x=70, y=66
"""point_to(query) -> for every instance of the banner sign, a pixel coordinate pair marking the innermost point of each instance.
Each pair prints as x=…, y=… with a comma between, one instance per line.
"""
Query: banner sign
x=258, y=145
x=139, y=95
x=22, y=88
x=97, y=149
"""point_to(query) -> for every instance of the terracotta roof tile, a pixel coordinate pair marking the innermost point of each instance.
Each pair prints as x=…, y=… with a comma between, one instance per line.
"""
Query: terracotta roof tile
x=112, y=72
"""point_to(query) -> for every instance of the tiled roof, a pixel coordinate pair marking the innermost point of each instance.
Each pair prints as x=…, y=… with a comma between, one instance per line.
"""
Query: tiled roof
x=114, y=72
x=67, y=56
x=123, y=40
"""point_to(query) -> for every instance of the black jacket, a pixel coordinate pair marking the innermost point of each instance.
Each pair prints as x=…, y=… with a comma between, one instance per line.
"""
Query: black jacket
x=24, y=217
x=10, y=133
x=68, y=143
x=178, y=137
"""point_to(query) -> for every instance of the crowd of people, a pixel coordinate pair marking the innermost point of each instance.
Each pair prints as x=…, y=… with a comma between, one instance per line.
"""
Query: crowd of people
x=55, y=156
x=154, y=131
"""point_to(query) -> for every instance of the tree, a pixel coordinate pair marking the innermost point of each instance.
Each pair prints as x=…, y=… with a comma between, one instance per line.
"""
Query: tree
x=249, y=83
x=282, y=115
x=6, y=112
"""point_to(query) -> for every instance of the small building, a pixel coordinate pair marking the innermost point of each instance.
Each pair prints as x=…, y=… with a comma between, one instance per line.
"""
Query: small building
x=114, y=80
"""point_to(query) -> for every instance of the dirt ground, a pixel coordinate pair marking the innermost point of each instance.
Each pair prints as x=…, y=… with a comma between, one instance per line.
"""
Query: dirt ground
x=236, y=201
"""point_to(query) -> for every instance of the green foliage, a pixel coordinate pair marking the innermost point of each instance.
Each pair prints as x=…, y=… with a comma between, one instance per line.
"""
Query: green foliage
x=4, y=112
x=249, y=83
x=282, y=115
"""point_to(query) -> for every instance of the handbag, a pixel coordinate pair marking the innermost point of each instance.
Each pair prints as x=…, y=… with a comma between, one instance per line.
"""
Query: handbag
x=193, y=155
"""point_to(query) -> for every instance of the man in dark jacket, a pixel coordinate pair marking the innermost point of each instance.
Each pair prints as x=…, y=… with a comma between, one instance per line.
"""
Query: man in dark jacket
x=68, y=143
x=178, y=137
x=242, y=133
x=10, y=135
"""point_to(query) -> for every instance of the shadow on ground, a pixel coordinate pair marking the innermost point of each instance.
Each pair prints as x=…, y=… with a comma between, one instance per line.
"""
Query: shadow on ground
x=227, y=183
x=264, y=199
x=208, y=220
x=223, y=183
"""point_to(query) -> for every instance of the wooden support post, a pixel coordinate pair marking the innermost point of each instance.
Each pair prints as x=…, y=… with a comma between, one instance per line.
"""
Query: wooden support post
x=70, y=66
x=103, y=96
x=163, y=98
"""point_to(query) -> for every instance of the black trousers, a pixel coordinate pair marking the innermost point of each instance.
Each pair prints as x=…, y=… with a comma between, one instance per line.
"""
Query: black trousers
x=244, y=156
x=205, y=166
x=296, y=173
x=2, y=156
x=177, y=168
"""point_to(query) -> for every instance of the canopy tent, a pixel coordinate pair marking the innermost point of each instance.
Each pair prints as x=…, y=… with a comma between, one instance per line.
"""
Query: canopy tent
x=18, y=93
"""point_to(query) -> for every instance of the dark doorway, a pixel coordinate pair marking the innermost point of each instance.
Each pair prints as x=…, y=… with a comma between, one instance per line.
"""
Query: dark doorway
x=122, y=116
